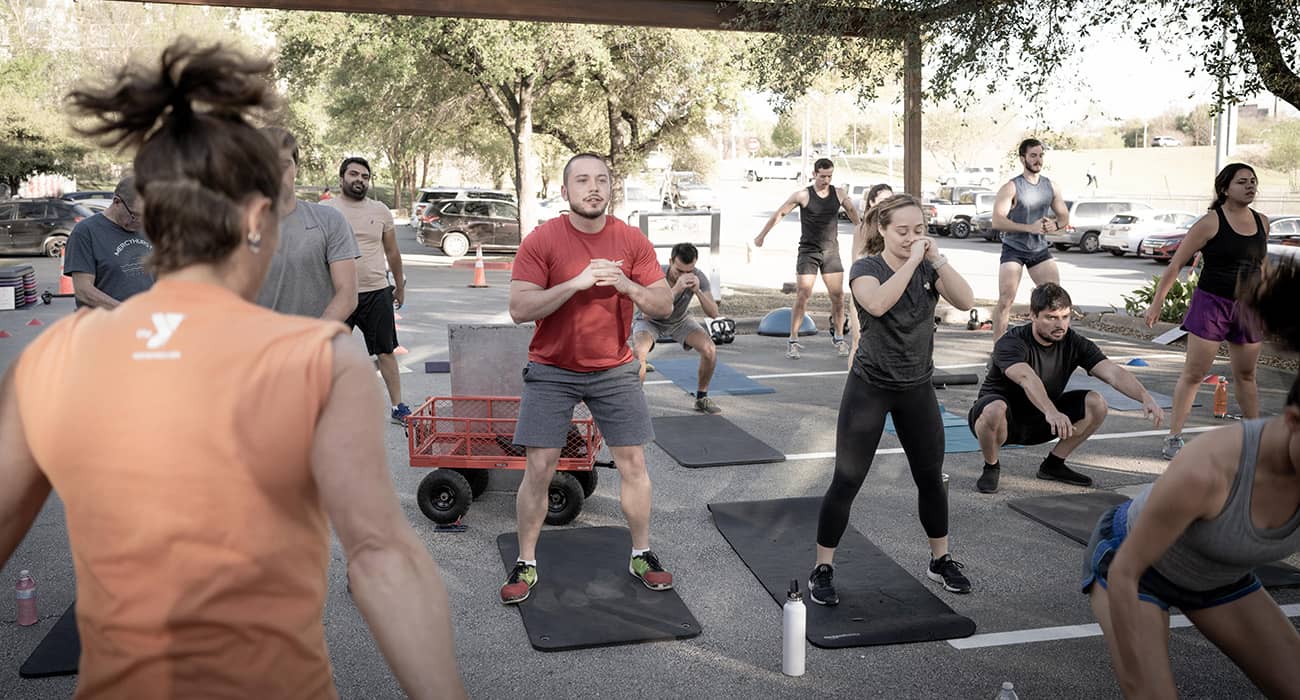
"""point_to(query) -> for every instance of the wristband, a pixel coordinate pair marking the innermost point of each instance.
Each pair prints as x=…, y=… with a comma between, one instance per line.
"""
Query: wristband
x=943, y=260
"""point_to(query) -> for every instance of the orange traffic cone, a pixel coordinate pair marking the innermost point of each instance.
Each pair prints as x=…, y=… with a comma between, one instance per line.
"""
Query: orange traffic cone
x=480, y=277
x=65, y=282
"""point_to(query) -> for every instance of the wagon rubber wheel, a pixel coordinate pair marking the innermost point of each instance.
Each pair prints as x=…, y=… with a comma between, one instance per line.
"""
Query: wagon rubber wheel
x=477, y=479
x=444, y=496
x=563, y=499
x=588, y=481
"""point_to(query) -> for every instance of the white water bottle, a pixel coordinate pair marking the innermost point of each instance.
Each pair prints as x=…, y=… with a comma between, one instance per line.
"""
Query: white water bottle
x=1008, y=692
x=793, y=632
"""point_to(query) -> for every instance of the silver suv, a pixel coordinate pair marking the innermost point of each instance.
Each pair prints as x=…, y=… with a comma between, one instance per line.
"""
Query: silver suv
x=1087, y=217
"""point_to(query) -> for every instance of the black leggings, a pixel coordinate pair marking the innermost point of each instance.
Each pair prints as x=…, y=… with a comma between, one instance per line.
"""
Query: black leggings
x=862, y=419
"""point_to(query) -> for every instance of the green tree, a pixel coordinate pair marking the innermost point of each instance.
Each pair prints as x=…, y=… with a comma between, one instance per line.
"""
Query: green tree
x=1251, y=45
x=630, y=100
x=1284, y=151
x=786, y=137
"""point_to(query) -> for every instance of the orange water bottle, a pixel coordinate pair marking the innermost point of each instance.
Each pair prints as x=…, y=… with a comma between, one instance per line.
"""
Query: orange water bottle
x=1221, y=398
x=26, y=594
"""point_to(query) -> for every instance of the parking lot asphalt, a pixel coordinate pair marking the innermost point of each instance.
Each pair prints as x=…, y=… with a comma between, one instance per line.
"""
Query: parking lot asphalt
x=1025, y=576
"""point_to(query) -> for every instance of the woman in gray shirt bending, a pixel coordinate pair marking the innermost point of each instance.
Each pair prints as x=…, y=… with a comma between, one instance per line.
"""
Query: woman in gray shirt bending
x=1191, y=540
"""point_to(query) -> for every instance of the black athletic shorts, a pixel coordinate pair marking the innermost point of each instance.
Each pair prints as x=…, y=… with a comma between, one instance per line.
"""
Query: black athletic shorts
x=374, y=316
x=827, y=261
x=1016, y=255
x=1026, y=425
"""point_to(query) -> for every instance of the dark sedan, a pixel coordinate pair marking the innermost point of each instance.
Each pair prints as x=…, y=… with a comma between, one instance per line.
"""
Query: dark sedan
x=459, y=225
x=40, y=226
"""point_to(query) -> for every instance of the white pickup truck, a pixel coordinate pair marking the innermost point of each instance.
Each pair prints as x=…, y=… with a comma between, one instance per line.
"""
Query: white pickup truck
x=953, y=210
x=773, y=169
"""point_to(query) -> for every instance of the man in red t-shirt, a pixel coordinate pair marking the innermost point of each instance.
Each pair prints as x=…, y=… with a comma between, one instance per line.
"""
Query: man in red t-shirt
x=579, y=276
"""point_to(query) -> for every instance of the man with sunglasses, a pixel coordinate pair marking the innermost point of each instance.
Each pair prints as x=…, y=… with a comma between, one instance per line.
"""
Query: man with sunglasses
x=106, y=252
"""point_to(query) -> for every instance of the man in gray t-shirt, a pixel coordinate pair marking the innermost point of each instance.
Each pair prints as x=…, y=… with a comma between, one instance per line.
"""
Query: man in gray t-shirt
x=686, y=284
x=313, y=272
x=106, y=253
x=1022, y=212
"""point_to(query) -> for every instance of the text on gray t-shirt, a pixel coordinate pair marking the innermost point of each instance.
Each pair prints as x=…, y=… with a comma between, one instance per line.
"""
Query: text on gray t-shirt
x=114, y=255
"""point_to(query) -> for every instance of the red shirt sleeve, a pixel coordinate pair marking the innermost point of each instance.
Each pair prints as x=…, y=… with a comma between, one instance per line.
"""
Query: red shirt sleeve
x=530, y=260
x=645, y=266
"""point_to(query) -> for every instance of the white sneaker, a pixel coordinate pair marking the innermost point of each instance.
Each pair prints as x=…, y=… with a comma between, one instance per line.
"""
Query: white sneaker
x=842, y=347
x=792, y=348
x=1173, y=444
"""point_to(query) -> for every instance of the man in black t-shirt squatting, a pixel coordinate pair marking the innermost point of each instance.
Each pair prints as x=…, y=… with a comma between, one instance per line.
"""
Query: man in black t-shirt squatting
x=1023, y=400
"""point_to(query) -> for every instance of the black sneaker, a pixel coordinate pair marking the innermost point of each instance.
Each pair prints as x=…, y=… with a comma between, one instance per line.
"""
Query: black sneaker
x=948, y=572
x=820, y=588
x=988, y=481
x=1064, y=474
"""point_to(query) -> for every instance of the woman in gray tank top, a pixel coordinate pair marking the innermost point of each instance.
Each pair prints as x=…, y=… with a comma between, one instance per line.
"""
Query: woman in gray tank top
x=1192, y=539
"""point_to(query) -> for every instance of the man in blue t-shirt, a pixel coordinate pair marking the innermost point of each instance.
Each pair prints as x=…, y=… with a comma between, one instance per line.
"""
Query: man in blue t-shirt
x=1023, y=400
x=106, y=252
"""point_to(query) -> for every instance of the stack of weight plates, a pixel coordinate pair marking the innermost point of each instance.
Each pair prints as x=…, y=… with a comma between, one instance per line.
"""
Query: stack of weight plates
x=22, y=279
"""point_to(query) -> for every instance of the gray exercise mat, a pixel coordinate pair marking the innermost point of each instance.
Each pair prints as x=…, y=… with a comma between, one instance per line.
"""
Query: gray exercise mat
x=702, y=440
x=1075, y=515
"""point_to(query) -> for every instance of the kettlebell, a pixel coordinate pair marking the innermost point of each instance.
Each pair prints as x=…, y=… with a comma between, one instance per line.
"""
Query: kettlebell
x=974, y=323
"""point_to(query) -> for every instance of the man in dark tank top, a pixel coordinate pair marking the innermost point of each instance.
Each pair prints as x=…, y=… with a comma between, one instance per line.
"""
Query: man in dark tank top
x=1022, y=212
x=819, y=250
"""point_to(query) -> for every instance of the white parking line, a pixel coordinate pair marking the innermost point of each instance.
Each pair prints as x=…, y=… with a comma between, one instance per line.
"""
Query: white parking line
x=826, y=373
x=1099, y=436
x=1048, y=634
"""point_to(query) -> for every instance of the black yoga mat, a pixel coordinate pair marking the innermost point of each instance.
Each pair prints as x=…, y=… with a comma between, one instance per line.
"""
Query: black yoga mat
x=704, y=440
x=59, y=653
x=942, y=379
x=1075, y=515
x=880, y=602
x=585, y=596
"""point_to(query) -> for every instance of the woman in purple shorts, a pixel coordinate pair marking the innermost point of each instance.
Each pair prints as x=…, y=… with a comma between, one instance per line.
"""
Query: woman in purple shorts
x=1233, y=241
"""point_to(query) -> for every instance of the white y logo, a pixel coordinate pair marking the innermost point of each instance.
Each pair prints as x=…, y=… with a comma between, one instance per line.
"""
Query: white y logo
x=165, y=324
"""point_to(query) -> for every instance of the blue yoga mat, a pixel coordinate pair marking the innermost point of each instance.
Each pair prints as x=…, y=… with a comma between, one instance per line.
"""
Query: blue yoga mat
x=957, y=436
x=684, y=372
x=1085, y=382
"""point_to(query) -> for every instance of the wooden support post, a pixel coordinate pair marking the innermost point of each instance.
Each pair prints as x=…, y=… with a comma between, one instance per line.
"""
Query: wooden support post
x=912, y=114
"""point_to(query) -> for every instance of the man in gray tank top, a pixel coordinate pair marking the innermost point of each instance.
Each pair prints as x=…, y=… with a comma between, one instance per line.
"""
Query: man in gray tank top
x=819, y=250
x=1022, y=213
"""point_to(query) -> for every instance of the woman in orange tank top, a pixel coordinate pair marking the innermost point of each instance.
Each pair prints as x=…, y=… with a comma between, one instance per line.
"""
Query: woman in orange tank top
x=198, y=510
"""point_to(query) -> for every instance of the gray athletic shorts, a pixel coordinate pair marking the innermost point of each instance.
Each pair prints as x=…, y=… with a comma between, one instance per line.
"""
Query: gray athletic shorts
x=614, y=397
x=676, y=331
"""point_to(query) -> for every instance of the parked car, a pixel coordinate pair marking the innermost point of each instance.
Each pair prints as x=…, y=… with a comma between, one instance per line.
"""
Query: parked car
x=774, y=169
x=686, y=190
x=1165, y=142
x=38, y=226
x=428, y=195
x=952, y=217
x=1087, y=216
x=1124, y=233
x=550, y=208
x=637, y=199
x=87, y=194
x=96, y=204
x=976, y=176
x=1284, y=233
x=458, y=225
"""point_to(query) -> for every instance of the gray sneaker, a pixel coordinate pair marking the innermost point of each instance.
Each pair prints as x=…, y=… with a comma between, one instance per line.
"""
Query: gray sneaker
x=1173, y=444
x=792, y=349
x=707, y=405
x=842, y=347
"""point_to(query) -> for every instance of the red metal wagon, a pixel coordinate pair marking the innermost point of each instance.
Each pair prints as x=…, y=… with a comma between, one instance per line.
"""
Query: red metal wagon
x=463, y=437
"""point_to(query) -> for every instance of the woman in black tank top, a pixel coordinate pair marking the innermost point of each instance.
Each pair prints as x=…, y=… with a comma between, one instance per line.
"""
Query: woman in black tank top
x=1233, y=242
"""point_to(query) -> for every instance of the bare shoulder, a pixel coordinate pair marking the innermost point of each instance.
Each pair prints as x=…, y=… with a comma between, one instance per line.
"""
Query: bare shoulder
x=1203, y=471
